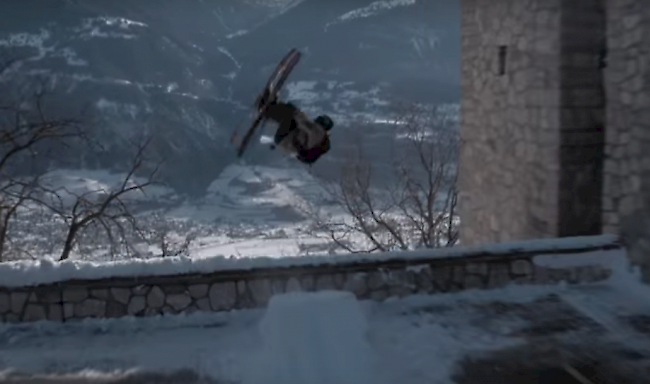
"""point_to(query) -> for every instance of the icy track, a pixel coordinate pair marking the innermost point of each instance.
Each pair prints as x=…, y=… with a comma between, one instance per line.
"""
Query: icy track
x=418, y=339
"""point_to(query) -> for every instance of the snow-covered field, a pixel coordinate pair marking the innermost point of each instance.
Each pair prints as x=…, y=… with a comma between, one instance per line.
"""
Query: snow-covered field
x=255, y=211
x=247, y=211
x=418, y=339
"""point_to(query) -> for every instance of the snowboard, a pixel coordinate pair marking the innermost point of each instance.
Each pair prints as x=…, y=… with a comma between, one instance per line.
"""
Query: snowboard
x=270, y=92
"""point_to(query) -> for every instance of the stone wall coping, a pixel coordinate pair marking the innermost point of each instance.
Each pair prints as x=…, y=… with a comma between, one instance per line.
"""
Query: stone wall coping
x=165, y=270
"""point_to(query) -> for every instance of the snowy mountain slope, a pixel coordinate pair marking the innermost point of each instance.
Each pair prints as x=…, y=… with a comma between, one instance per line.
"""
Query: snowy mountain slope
x=188, y=70
x=347, y=40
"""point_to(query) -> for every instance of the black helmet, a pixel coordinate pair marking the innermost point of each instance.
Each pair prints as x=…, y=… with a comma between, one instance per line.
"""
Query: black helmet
x=325, y=121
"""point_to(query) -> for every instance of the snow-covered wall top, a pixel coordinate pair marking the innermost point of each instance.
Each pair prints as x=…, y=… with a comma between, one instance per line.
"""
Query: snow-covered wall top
x=33, y=273
x=78, y=290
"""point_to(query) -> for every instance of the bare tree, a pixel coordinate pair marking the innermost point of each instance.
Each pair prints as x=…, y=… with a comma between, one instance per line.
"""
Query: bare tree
x=415, y=209
x=102, y=210
x=165, y=234
x=24, y=127
x=25, y=133
x=28, y=133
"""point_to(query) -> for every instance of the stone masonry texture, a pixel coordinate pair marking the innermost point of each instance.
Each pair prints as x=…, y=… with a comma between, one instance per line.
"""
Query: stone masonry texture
x=229, y=290
x=626, y=198
x=509, y=165
x=557, y=141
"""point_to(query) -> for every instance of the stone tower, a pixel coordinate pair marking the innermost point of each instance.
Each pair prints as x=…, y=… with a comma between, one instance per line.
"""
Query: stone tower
x=533, y=118
x=626, y=192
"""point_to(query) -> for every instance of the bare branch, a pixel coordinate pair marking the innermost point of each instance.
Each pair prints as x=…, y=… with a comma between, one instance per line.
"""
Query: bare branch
x=417, y=209
x=98, y=209
x=24, y=126
x=27, y=135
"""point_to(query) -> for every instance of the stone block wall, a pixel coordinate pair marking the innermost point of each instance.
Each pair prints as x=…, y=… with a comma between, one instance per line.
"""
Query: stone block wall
x=626, y=198
x=576, y=90
x=510, y=138
x=440, y=271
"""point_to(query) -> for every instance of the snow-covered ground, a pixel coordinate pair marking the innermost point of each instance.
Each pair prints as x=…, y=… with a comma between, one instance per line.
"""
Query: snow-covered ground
x=36, y=272
x=418, y=339
x=68, y=184
x=256, y=211
x=247, y=211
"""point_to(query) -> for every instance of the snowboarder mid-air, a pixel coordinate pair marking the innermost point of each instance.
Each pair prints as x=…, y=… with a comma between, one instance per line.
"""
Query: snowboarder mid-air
x=296, y=134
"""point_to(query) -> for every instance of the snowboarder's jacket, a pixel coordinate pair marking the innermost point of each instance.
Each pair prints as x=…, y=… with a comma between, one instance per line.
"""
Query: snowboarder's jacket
x=297, y=134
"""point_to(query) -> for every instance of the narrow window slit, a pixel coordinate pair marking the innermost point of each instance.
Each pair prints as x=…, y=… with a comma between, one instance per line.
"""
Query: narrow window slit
x=503, y=54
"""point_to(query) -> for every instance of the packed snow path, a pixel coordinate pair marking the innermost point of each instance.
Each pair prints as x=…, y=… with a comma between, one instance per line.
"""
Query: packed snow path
x=419, y=339
x=313, y=338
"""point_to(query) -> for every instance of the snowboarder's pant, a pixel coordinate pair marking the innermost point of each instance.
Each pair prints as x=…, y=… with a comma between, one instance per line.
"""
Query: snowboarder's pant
x=311, y=155
x=308, y=142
